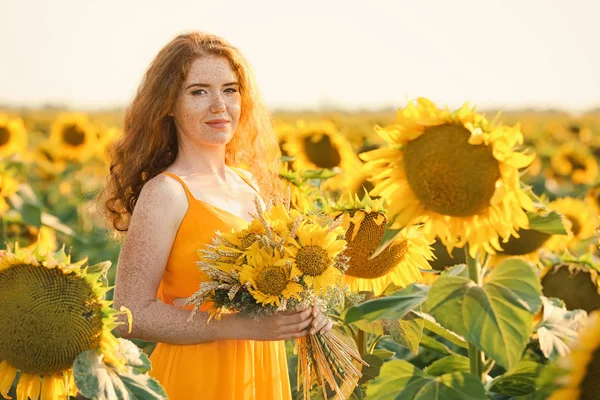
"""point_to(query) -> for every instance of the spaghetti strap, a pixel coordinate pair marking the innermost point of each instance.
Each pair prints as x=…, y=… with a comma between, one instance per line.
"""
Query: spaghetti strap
x=245, y=179
x=189, y=195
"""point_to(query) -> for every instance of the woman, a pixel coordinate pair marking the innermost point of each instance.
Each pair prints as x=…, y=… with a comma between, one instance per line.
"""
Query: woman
x=172, y=184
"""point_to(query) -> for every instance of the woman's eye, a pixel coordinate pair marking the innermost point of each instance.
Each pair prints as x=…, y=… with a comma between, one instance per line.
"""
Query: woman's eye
x=231, y=90
x=199, y=91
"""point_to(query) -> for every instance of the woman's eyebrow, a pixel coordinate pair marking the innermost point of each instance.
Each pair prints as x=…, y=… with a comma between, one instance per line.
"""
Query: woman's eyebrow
x=207, y=85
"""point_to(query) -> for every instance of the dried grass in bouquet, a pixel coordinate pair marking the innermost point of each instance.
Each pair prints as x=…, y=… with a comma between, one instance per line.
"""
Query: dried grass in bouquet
x=285, y=261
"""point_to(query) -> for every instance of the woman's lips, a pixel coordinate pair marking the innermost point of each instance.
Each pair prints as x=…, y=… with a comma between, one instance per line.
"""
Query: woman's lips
x=217, y=124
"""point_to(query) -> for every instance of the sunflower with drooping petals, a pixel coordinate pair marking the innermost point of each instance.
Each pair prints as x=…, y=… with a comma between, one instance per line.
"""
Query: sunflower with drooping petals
x=272, y=278
x=314, y=255
x=73, y=137
x=575, y=162
x=13, y=136
x=582, y=364
x=399, y=264
x=455, y=172
x=318, y=145
x=581, y=223
x=575, y=280
x=51, y=311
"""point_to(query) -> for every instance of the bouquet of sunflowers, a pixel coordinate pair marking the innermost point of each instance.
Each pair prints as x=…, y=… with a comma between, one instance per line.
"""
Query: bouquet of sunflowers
x=285, y=261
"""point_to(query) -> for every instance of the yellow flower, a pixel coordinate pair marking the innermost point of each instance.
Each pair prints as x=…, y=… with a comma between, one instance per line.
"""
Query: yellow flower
x=13, y=136
x=106, y=141
x=592, y=198
x=8, y=187
x=364, y=222
x=314, y=254
x=576, y=162
x=272, y=278
x=318, y=145
x=583, y=365
x=456, y=173
x=581, y=225
x=51, y=310
x=30, y=237
x=575, y=281
x=73, y=137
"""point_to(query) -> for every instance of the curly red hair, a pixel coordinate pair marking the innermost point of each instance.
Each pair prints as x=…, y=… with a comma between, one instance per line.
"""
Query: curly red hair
x=149, y=143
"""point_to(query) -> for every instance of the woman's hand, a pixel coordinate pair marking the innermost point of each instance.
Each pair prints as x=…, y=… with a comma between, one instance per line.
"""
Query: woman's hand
x=320, y=323
x=282, y=326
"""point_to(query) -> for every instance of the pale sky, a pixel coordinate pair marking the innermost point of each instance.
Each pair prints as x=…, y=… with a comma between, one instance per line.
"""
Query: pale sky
x=313, y=53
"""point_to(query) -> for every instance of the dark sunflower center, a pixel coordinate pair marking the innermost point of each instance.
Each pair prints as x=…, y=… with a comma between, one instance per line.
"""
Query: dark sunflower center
x=248, y=240
x=447, y=174
x=48, y=318
x=322, y=153
x=575, y=225
x=4, y=135
x=23, y=233
x=271, y=281
x=577, y=164
x=528, y=242
x=444, y=260
x=576, y=289
x=574, y=128
x=312, y=260
x=590, y=386
x=73, y=135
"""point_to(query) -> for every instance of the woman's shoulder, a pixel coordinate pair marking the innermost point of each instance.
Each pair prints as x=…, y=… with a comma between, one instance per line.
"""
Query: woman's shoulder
x=162, y=189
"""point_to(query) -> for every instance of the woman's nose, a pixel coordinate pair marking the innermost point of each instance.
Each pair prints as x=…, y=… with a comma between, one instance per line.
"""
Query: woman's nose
x=218, y=104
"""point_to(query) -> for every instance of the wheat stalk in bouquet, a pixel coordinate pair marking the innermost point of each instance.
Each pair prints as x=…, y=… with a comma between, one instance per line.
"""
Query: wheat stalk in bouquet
x=284, y=260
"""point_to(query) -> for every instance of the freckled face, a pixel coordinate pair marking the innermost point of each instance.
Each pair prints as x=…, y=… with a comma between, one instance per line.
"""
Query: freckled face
x=208, y=108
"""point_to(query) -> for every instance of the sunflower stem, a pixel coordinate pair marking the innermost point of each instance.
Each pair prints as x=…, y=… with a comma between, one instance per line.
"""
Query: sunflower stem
x=475, y=355
x=361, y=341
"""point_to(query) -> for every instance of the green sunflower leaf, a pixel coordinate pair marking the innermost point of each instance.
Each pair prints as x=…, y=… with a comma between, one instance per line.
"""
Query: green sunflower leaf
x=496, y=317
x=399, y=379
x=394, y=306
x=549, y=222
x=519, y=381
x=453, y=363
x=406, y=331
x=558, y=327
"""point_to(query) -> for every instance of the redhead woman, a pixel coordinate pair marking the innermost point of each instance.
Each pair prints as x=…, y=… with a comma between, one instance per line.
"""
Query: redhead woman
x=174, y=181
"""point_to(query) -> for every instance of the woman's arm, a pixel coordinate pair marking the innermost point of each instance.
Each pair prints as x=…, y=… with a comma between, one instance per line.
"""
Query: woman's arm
x=152, y=229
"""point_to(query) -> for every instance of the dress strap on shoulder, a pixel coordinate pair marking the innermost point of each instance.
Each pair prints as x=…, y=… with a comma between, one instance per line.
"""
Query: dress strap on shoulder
x=246, y=179
x=185, y=188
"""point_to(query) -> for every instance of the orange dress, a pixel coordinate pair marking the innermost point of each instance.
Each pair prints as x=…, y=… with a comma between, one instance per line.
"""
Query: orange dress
x=222, y=369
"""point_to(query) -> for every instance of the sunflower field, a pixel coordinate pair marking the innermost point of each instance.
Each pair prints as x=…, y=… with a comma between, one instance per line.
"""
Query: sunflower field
x=472, y=245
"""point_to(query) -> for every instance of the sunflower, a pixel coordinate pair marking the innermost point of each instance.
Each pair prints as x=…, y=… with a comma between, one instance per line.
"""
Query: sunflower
x=576, y=162
x=456, y=173
x=51, y=311
x=30, y=236
x=576, y=281
x=318, y=145
x=272, y=278
x=592, y=198
x=314, y=255
x=49, y=165
x=399, y=264
x=73, y=137
x=583, y=365
x=582, y=223
x=106, y=141
x=8, y=187
x=13, y=136
x=303, y=196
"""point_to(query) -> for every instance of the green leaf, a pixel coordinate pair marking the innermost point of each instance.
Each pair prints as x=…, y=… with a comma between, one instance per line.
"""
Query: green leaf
x=432, y=344
x=101, y=381
x=453, y=363
x=519, y=381
x=549, y=222
x=383, y=354
x=559, y=327
x=371, y=371
x=432, y=326
x=496, y=317
x=32, y=214
x=398, y=380
x=407, y=331
x=392, y=307
x=388, y=238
